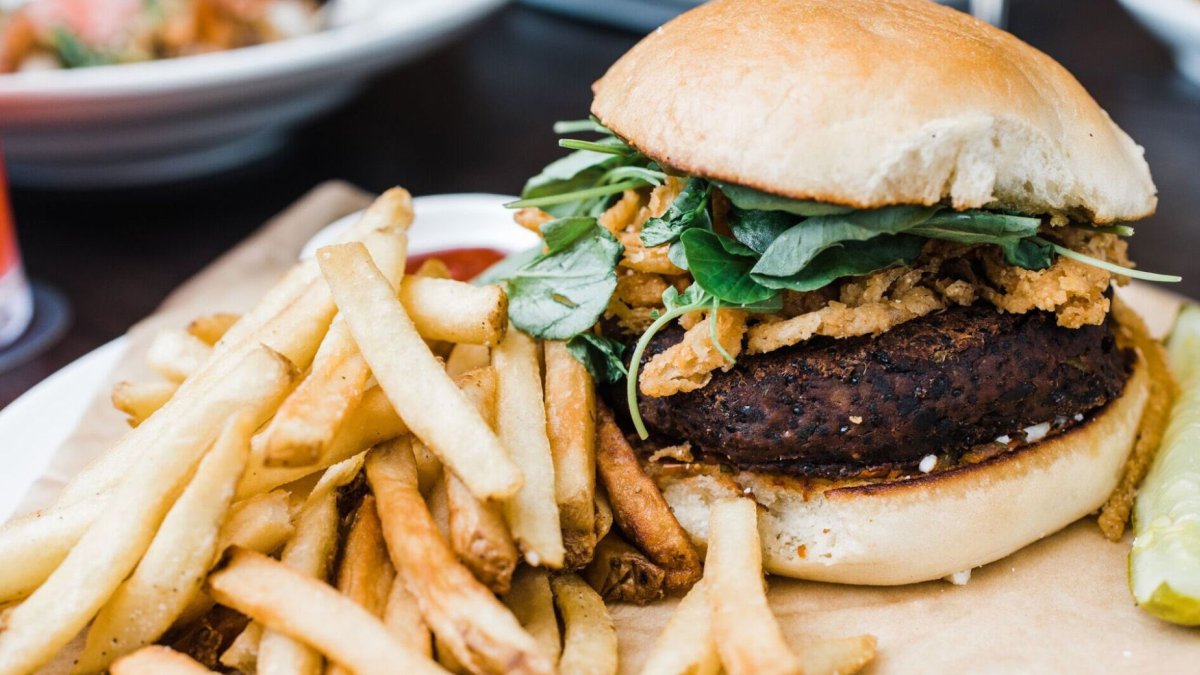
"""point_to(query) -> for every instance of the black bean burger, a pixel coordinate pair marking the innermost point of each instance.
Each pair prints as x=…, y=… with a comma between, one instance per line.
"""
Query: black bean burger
x=854, y=258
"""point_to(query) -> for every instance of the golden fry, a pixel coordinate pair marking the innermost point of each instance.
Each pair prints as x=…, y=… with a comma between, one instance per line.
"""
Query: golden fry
x=412, y=378
x=480, y=631
x=365, y=574
x=173, y=568
x=686, y=645
x=210, y=328
x=589, y=640
x=176, y=354
x=140, y=400
x=532, y=513
x=571, y=427
x=477, y=531
x=307, y=609
x=158, y=660
x=640, y=510
x=455, y=311
x=532, y=602
x=748, y=636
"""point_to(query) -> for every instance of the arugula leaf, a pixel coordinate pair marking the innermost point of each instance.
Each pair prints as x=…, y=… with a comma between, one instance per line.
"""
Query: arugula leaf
x=796, y=247
x=1009, y=232
x=689, y=209
x=563, y=292
x=600, y=355
x=561, y=233
x=577, y=171
x=677, y=256
x=750, y=199
x=757, y=229
x=722, y=266
x=851, y=258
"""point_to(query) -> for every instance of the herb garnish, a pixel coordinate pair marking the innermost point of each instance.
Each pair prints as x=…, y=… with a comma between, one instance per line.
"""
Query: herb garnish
x=777, y=243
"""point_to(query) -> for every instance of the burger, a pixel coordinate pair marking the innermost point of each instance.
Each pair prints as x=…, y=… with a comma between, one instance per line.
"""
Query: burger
x=855, y=259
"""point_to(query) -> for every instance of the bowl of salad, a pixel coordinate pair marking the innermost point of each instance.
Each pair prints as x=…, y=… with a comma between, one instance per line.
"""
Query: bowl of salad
x=117, y=93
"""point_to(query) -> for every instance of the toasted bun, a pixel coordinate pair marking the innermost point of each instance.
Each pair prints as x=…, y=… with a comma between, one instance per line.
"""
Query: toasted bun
x=935, y=525
x=869, y=103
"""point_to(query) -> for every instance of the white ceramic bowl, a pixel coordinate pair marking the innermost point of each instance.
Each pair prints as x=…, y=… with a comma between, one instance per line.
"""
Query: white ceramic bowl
x=146, y=123
x=1177, y=23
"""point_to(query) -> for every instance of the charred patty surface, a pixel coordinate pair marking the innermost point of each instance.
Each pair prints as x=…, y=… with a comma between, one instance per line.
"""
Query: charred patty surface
x=939, y=384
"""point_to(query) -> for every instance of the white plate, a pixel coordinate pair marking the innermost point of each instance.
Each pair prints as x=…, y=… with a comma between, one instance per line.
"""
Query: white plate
x=152, y=122
x=35, y=425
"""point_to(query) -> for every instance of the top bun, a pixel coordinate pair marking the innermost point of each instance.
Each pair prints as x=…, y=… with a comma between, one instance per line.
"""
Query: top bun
x=868, y=103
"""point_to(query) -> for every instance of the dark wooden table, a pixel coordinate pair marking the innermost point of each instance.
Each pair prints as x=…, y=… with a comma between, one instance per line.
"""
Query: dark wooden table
x=476, y=116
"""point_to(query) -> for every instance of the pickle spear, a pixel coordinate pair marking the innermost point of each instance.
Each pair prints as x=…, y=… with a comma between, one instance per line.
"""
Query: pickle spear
x=1164, y=565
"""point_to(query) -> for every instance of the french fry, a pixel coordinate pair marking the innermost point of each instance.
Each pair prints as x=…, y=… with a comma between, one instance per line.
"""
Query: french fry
x=532, y=602
x=480, y=537
x=210, y=328
x=532, y=513
x=748, y=637
x=114, y=543
x=571, y=426
x=365, y=574
x=140, y=400
x=604, y=516
x=242, y=655
x=455, y=311
x=262, y=523
x=402, y=617
x=477, y=531
x=640, y=510
x=412, y=378
x=176, y=354
x=308, y=554
x=146, y=604
x=429, y=469
x=309, y=419
x=481, y=632
x=32, y=546
x=372, y=421
x=158, y=660
x=465, y=358
x=308, y=610
x=621, y=573
x=686, y=645
x=434, y=268
x=838, y=656
x=589, y=640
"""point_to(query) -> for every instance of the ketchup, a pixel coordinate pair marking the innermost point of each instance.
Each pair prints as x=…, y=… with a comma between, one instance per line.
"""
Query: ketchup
x=464, y=263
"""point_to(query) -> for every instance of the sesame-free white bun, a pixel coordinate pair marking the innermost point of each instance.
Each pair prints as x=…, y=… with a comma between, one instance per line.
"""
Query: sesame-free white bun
x=934, y=525
x=869, y=103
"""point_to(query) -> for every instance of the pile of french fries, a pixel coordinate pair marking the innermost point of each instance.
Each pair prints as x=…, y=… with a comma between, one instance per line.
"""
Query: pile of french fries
x=371, y=472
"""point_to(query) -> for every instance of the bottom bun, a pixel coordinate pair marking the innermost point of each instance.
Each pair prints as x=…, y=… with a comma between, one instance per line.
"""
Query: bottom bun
x=933, y=525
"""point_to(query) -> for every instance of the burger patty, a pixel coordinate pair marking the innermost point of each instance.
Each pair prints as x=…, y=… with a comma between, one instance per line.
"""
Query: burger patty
x=939, y=384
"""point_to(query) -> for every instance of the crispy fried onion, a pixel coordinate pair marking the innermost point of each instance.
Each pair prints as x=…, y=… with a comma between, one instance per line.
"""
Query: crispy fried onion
x=688, y=365
x=949, y=274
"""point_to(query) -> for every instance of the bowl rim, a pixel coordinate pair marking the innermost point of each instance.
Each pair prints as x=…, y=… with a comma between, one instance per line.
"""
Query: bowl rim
x=400, y=22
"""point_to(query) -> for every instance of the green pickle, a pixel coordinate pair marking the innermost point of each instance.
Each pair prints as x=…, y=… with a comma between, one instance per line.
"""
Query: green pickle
x=1164, y=565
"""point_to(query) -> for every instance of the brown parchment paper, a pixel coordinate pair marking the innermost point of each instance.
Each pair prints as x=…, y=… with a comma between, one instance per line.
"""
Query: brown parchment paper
x=1061, y=605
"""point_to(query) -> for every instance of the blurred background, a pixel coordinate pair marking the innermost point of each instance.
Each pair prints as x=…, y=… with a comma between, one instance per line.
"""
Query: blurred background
x=466, y=104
